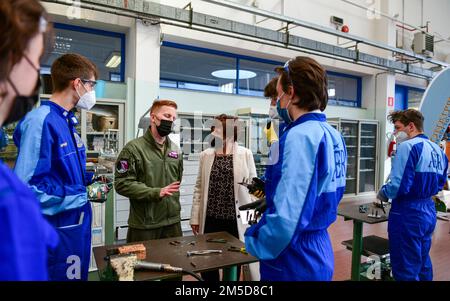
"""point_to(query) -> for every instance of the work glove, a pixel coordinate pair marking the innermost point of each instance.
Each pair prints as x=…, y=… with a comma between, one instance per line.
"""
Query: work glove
x=382, y=197
x=259, y=206
x=98, y=190
x=256, y=188
x=102, y=179
x=271, y=135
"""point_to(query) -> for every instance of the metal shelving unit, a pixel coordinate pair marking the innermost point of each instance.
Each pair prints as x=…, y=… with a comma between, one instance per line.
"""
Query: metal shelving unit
x=362, y=140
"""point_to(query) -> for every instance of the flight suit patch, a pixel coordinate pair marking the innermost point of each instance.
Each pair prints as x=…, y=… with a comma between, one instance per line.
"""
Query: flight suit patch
x=122, y=166
x=173, y=154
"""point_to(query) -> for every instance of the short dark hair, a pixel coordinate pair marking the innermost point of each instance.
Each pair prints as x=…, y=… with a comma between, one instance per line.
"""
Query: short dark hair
x=309, y=80
x=69, y=67
x=407, y=116
x=162, y=102
x=270, y=91
x=223, y=119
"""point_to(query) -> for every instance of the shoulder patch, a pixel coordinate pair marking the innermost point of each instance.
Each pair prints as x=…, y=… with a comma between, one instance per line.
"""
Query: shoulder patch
x=173, y=154
x=122, y=166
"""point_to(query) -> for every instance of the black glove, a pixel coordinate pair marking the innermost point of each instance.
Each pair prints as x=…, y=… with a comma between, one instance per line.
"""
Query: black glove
x=257, y=188
x=382, y=197
x=259, y=206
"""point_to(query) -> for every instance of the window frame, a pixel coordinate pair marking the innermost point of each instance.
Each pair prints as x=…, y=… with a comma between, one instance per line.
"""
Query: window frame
x=100, y=32
x=405, y=91
x=239, y=57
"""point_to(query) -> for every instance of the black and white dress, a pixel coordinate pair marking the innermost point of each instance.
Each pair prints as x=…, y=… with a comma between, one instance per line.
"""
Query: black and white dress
x=221, y=209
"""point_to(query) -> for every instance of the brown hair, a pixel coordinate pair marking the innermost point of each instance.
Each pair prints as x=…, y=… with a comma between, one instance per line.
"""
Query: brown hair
x=407, y=116
x=223, y=119
x=270, y=91
x=309, y=80
x=19, y=23
x=160, y=103
x=69, y=67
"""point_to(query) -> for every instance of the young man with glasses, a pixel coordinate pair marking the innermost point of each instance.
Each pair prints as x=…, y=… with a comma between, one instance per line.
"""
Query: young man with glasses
x=52, y=160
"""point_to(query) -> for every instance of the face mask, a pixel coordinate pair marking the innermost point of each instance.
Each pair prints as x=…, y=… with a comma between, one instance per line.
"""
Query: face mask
x=401, y=137
x=164, y=128
x=283, y=112
x=273, y=114
x=3, y=139
x=87, y=100
x=22, y=104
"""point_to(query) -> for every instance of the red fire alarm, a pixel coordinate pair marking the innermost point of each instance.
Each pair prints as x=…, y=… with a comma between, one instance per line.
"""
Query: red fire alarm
x=345, y=29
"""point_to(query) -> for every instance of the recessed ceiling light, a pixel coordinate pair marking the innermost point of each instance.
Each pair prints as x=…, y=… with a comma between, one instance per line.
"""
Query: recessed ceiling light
x=113, y=60
x=231, y=74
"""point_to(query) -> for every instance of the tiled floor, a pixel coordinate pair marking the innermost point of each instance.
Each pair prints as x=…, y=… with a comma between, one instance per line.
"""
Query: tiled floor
x=343, y=230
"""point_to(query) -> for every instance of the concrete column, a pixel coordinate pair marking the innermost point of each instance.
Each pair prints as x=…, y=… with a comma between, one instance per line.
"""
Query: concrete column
x=384, y=104
x=146, y=73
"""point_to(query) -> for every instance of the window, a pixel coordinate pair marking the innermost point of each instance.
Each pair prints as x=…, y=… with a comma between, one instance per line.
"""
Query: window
x=414, y=98
x=260, y=74
x=407, y=97
x=105, y=49
x=344, y=90
x=189, y=67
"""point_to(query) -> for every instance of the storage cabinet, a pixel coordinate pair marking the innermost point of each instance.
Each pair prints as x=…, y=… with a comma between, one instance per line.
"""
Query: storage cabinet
x=258, y=143
x=362, y=139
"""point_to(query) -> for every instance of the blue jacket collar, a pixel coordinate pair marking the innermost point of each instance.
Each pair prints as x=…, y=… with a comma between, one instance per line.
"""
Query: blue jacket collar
x=63, y=112
x=56, y=107
x=423, y=136
x=307, y=117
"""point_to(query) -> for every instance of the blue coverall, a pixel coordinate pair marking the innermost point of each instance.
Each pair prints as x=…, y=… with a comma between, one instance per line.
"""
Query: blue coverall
x=304, y=185
x=52, y=160
x=419, y=171
x=25, y=236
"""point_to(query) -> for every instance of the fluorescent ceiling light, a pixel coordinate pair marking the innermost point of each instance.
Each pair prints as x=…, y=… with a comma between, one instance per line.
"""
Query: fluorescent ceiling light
x=231, y=74
x=113, y=60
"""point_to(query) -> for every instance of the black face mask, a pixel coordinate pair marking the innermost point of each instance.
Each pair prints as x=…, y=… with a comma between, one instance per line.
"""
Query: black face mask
x=164, y=128
x=22, y=104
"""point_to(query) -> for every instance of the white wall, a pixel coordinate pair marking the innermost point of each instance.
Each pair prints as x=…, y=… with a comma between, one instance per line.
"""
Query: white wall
x=435, y=11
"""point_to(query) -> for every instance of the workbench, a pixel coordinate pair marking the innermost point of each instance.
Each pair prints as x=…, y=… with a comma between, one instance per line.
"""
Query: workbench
x=173, y=251
x=352, y=212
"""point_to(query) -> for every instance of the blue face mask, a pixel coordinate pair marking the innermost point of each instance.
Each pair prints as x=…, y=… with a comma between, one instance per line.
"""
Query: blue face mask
x=3, y=139
x=283, y=112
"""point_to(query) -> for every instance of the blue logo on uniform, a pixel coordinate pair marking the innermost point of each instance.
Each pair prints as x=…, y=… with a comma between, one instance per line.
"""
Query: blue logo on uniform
x=339, y=161
x=435, y=161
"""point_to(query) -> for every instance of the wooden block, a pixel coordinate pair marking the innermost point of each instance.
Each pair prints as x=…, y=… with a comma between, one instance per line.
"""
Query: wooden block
x=138, y=249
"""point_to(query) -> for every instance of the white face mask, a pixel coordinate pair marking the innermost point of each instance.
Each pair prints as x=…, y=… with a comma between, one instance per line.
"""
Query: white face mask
x=273, y=114
x=87, y=100
x=401, y=137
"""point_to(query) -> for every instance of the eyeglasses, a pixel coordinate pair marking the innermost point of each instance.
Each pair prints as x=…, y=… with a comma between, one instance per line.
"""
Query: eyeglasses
x=91, y=83
x=286, y=69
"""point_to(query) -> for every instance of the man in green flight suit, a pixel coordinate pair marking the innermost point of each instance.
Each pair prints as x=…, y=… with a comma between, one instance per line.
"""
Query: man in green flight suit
x=148, y=172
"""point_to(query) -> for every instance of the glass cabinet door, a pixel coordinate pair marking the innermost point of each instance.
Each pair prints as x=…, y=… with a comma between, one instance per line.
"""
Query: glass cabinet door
x=349, y=131
x=367, y=158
